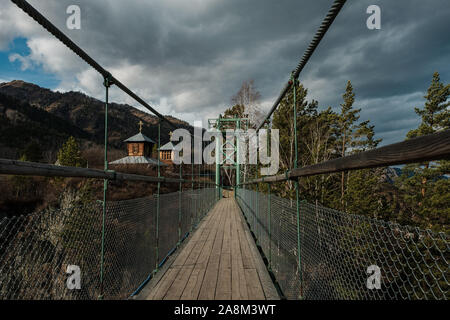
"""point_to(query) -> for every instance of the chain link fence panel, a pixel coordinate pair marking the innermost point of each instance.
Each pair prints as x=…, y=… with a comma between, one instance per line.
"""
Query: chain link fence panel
x=341, y=255
x=37, y=249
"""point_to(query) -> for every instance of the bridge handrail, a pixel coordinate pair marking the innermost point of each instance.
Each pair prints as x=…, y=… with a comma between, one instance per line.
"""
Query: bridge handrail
x=431, y=147
x=25, y=168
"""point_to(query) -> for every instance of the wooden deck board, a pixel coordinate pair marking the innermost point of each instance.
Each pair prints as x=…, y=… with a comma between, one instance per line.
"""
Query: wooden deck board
x=194, y=283
x=238, y=281
x=220, y=262
x=208, y=289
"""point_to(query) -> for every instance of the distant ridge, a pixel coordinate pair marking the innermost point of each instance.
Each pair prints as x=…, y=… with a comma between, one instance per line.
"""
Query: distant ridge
x=30, y=112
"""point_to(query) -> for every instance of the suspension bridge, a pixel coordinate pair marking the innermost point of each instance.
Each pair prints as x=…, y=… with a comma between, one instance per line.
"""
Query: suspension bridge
x=205, y=242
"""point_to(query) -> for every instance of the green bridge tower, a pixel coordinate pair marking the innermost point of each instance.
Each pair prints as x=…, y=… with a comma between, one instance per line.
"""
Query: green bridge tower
x=230, y=129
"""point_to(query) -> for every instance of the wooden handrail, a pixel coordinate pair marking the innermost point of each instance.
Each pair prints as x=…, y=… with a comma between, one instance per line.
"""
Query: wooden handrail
x=24, y=168
x=431, y=147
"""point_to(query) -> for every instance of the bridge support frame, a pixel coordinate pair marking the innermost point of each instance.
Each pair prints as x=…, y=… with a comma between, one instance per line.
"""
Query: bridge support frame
x=235, y=156
x=158, y=197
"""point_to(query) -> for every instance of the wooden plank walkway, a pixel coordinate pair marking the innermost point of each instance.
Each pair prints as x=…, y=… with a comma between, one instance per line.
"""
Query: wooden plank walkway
x=219, y=262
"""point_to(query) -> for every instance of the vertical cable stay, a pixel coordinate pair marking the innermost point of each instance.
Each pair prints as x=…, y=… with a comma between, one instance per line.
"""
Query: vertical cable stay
x=326, y=23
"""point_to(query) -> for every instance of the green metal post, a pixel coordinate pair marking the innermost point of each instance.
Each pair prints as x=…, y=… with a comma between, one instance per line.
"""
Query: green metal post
x=192, y=187
x=107, y=83
x=204, y=202
x=199, y=187
x=258, y=235
x=270, y=230
x=294, y=84
x=238, y=158
x=179, y=204
x=157, y=196
x=218, y=153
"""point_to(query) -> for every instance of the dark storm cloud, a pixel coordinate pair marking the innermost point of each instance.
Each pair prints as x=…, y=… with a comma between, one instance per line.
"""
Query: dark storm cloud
x=192, y=56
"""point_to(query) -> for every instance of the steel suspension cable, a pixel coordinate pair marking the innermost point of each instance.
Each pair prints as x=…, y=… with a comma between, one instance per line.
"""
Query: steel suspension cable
x=50, y=27
x=326, y=23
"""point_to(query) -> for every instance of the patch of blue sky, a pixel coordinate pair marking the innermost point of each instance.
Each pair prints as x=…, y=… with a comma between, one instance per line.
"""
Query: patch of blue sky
x=11, y=70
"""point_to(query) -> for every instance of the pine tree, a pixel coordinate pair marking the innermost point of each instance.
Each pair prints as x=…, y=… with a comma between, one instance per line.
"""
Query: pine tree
x=347, y=119
x=423, y=186
x=70, y=154
x=435, y=114
x=283, y=120
x=435, y=117
x=352, y=137
x=318, y=140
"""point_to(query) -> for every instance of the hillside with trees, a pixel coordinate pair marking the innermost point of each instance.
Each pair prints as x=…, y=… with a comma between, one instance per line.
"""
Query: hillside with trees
x=39, y=125
x=29, y=113
x=416, y=194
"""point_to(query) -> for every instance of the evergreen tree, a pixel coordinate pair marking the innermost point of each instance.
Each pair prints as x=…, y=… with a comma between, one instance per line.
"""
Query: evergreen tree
x=423, y=186
x=358, y=190
x=435, y=117
x=70, y=154
x=318, y=140
x=435, y=114
x=283, y=120
x=346, y=127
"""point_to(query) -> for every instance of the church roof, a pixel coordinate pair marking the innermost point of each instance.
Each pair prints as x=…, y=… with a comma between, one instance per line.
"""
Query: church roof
x=169, y=147
x=139, y=138
x=138, y=160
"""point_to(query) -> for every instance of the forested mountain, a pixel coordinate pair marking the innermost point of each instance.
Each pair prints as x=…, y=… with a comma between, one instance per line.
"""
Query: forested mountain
x=35, y=124
x=30, y=113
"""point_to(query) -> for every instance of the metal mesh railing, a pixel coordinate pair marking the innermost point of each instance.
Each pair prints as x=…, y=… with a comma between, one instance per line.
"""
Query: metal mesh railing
x=36, y=249
x=338, y=248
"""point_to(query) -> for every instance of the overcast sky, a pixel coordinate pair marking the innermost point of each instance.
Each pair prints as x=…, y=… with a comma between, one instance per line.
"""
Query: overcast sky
x=189, y=57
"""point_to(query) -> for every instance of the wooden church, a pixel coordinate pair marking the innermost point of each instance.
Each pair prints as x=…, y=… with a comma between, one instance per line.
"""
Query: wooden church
x=167, y=151
x=139, y=150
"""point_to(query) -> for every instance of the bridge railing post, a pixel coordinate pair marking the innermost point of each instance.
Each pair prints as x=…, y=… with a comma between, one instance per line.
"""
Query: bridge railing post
x=193, y=213
x=295, y=83
x=107, y=83
x=200, y=187
x=258, y=228
x=180, y=205
x=158, y=198
x=269, y=213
